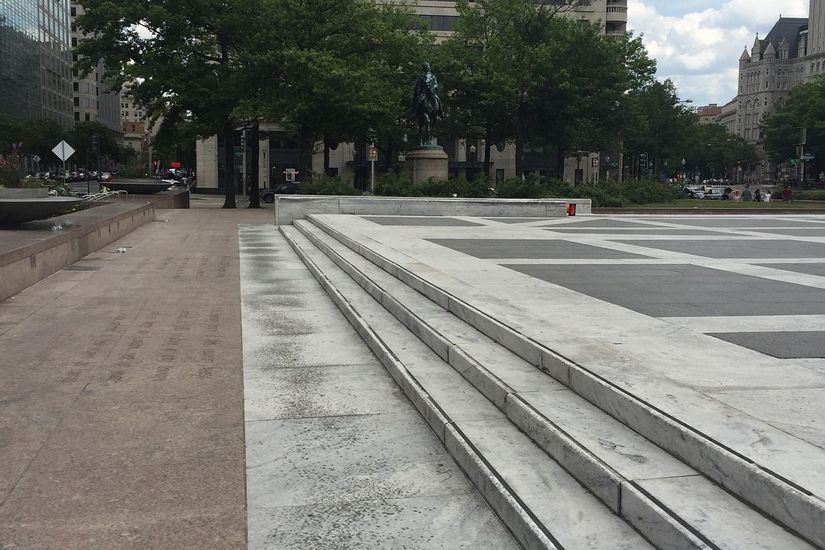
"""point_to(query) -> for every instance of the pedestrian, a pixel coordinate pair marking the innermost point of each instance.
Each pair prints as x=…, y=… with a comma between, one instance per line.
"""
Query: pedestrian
x=746, y=194
x=767, y=196
x=787, y=194
x=757, y=195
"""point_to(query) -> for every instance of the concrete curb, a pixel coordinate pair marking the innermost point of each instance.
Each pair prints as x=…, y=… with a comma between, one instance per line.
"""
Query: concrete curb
x=22, y=267
x=790, y=505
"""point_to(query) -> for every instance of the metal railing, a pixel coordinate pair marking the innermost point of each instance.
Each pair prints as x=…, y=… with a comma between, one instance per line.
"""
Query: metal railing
x=104, y=195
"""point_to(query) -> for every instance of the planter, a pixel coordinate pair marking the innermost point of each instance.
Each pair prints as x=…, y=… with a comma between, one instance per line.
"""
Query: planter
x=24, y=193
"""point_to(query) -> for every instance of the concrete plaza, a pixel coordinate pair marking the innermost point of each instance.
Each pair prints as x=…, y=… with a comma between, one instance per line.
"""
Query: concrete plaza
x=201, y=390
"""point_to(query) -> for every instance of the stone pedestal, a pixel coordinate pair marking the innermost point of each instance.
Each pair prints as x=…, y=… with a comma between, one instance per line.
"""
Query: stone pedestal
x=423, y=163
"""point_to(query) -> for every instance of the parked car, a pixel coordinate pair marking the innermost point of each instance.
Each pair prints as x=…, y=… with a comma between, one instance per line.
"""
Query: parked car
x=694, y=193
x=288, y=188
x=716, y=193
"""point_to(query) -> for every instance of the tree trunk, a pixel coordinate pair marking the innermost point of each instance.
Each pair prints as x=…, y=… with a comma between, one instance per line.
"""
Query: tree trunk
x=326, y=156
x=306, y=144
x=229, y=164
x=519, y=154
x=255, y=168
x=560, y=162
x=488, y=148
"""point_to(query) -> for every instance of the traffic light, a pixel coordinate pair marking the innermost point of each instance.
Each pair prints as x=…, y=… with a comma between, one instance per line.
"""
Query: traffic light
x=95, y=144
x=643, y=161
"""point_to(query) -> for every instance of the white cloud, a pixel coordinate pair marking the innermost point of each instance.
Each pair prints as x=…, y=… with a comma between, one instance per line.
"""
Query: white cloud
x=700, y=50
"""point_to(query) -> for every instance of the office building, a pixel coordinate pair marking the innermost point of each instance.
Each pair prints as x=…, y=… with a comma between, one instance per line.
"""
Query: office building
x=792, y=53
x=93, y=100
x=35, y=60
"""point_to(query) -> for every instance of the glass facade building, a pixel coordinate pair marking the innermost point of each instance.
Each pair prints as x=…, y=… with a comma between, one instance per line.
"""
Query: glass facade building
x=35, y=60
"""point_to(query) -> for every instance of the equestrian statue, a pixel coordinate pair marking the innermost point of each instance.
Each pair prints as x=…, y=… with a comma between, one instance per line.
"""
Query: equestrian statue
x=426, y=105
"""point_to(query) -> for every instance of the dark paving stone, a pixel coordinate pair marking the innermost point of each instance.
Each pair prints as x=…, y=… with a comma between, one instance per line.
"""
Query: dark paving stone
x=636, y=231
x=518, y=220
x=531, y=249
x=810, y=269
x=611, y=222
x=800, y=232
x=784, y=345
x=739, y=248
x=682, y=290
x=432, y=221
x=737, y=222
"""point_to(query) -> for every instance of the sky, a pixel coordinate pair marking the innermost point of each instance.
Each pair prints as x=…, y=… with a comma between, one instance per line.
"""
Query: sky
x=697, y=43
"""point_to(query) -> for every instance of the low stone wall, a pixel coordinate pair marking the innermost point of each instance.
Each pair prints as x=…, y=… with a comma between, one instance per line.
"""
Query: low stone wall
x=296, y=207
x=165, y=200
x=35, y=251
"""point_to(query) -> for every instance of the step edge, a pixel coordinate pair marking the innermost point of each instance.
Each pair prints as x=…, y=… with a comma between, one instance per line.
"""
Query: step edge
x=508, y=507
x=590, y=471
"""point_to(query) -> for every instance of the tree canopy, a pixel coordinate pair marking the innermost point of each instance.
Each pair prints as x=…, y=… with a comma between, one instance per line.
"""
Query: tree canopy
x=801, y=115
x=524, y=72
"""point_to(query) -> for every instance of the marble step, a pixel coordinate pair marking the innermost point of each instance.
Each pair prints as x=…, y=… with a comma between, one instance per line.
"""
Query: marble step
x=539, y=502
x=658, y=494
x=770, y=482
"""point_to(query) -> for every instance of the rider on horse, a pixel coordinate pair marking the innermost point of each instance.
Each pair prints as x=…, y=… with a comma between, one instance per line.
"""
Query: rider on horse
x=426, y=104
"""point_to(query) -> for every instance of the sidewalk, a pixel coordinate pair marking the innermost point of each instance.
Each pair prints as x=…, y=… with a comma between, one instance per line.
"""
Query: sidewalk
x=121, y=394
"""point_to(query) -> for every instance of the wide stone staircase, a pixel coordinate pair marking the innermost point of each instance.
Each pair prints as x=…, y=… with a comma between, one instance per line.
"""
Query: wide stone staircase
x=566, y=459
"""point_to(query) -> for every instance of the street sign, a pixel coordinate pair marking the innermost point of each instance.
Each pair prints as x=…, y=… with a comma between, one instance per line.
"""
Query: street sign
x=63, y=151
x=807, y=157
x=372, y=156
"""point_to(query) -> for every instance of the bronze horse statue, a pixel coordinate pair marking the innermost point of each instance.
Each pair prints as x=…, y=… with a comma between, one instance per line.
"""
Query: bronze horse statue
x=426, y=105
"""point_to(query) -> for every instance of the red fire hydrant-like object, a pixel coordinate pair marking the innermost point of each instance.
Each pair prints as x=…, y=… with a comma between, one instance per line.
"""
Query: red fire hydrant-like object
x=571, y=209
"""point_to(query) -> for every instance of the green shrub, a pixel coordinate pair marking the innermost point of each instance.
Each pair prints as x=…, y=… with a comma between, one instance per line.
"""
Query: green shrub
x=9, y=174
x=516, y=188
x=393, y=185
x=327, y=185
x=814, y=195
x=648, y=191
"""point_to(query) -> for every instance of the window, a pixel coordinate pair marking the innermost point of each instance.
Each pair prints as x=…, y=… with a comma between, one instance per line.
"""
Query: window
x=88, y=118
x=73, y=11
x=75, y=86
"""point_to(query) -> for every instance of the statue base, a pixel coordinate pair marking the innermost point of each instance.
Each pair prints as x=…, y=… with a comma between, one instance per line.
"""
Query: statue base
x=423, y=163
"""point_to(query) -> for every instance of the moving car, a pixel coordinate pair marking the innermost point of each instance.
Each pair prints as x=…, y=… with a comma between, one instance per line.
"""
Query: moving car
x=288, y=188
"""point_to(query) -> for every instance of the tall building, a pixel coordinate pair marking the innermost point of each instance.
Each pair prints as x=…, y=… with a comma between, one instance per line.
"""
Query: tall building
x=792, y=53
x=440, y=15
x=137, y=132
x=92, y=98
x=35, y=60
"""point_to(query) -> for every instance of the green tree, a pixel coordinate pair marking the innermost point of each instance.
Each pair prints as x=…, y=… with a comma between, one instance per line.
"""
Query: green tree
x=179, y=57
x=341, y=72
x=661, y=127
x=526, y=73
x=802, y=111
x=81, y=137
